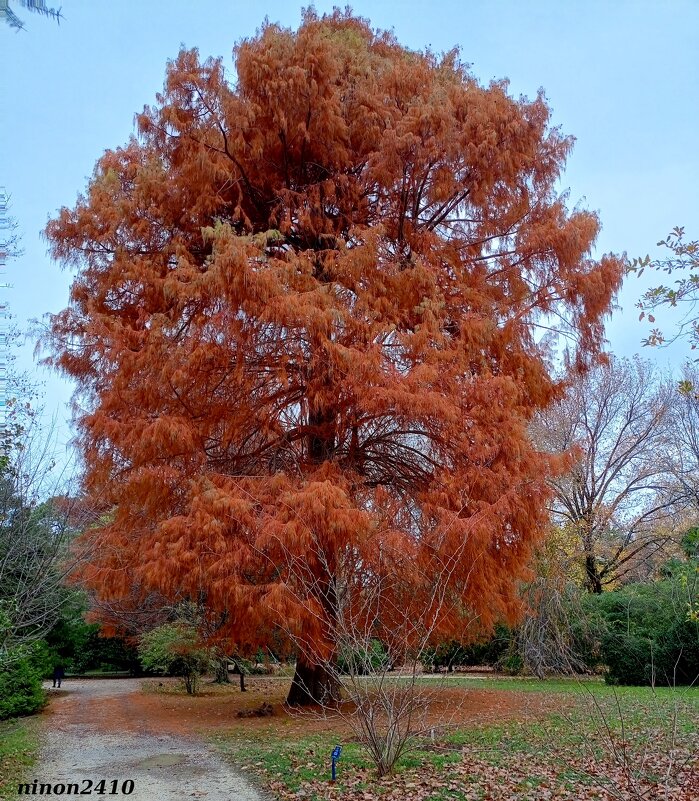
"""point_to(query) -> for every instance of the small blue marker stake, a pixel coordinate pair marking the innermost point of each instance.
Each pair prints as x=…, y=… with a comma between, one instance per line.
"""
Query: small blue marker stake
x=337, y=751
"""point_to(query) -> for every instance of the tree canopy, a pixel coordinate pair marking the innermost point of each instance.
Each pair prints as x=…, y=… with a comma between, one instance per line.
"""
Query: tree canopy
x=306, y=331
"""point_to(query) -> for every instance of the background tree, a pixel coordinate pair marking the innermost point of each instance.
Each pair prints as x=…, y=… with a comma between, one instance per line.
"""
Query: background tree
x=682, y=452
x=11, y=242
x=37, y=526
x=176, y=648
x=303, y=332
x=554, y=636
x=82, y=646
x=130, y=617
x=619, y=494
x=683, y=294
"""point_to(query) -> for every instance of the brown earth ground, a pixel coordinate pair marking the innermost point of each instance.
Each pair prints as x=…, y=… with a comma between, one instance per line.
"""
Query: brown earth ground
x=162, y=707
x=153, y=734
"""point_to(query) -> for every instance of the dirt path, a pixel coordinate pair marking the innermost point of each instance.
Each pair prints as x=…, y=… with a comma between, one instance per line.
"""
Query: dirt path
x=100, y=729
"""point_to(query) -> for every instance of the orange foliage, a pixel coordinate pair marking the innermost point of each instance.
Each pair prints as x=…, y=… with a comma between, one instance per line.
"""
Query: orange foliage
x=304, y=331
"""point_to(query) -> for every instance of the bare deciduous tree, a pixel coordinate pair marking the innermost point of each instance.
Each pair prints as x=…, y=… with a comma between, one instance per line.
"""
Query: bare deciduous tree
x=38, y=518
x=620, y=495
x=378, y=643
x=682, y=451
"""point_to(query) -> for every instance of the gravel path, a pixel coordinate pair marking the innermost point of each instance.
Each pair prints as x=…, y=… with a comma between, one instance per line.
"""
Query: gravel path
x=94, y=731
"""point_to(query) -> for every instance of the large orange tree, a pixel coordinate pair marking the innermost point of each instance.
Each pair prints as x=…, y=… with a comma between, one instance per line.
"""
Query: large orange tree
x=305, y=328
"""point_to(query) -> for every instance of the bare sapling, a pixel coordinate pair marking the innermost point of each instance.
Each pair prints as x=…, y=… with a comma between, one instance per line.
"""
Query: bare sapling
x=374, y=645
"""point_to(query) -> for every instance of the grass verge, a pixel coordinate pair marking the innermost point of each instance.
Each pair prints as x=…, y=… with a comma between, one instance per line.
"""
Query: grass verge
x=300, y=767
x=19, y=745
x=604, y=742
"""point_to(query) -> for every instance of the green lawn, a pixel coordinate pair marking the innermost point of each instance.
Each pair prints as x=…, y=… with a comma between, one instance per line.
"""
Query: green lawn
x=18, y=751
x=625, y=740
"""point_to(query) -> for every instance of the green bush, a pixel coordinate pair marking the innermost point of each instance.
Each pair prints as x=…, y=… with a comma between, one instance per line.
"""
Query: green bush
x=447, y=655
x=21, y=692
x=643, y=633
x=363, y=661
x=511, y=662
x=453, y=654
x=628, y=659
x=647, y=634
x=176, y=649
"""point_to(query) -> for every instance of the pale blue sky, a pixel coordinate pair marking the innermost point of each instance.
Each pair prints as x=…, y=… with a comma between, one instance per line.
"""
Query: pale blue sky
x=621, y=76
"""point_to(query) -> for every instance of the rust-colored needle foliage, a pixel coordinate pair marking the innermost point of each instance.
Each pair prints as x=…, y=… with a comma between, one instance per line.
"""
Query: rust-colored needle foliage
x=304, y=328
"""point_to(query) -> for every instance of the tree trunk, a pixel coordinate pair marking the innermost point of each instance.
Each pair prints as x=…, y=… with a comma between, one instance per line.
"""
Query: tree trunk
x=592, y=577
x=190, y=683
x=221, y=672
x=313, y=685
x=316, y=684
x=238, y=668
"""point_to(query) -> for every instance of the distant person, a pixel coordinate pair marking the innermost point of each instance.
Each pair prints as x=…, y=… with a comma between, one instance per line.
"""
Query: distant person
x=58, y=675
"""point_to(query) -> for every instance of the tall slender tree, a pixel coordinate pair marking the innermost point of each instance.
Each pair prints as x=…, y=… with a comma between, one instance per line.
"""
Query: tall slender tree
x=304, y=333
